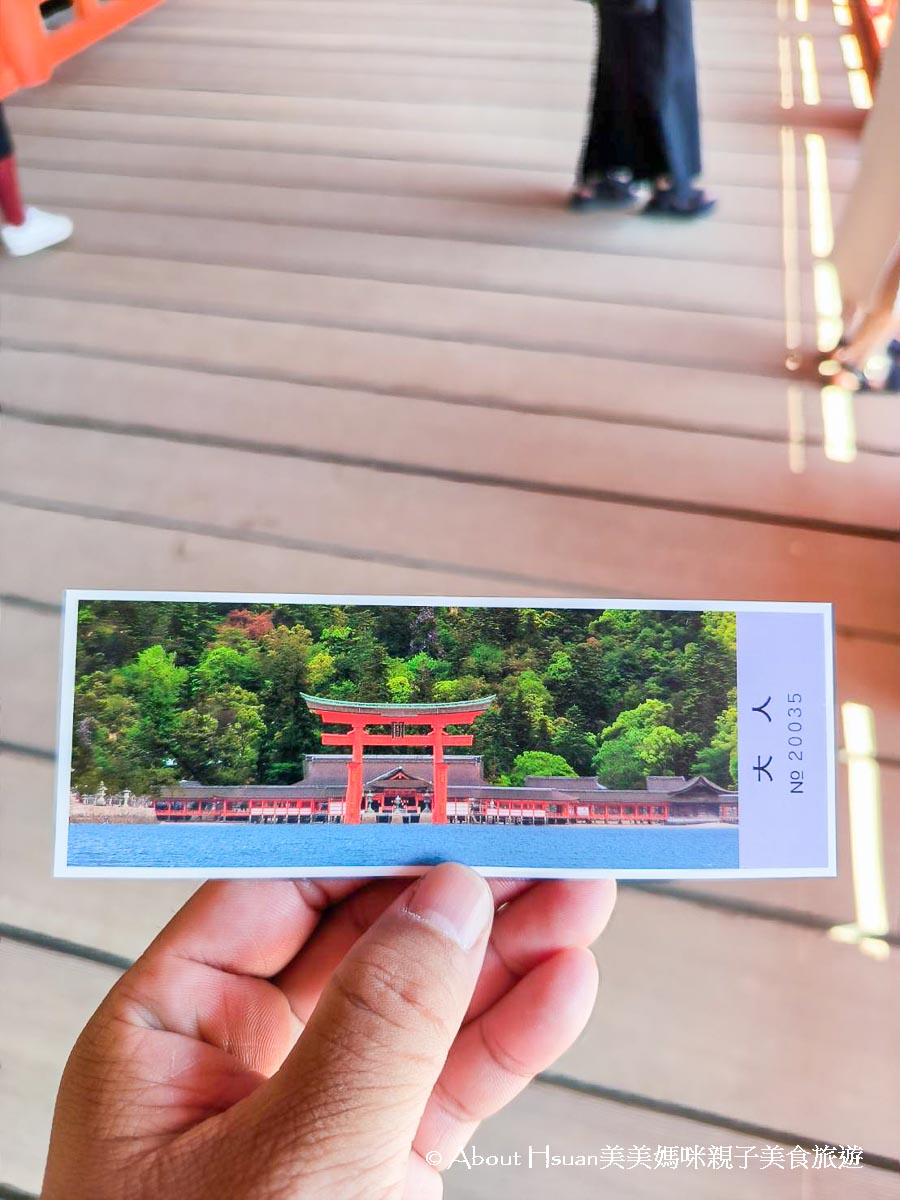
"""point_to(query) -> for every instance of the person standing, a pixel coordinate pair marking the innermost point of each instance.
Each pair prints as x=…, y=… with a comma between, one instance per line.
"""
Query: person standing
x=645, y=116
x=23, y=230
x=866, y=252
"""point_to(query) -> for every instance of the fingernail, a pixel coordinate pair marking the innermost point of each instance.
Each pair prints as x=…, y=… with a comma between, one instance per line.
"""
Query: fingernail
x=454, y=900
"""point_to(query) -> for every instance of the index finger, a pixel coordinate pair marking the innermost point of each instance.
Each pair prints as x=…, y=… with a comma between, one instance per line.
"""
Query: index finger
x=249, y=926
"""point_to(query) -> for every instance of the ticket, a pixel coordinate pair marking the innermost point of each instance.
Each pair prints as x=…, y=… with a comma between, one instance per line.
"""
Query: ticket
x=226, y=735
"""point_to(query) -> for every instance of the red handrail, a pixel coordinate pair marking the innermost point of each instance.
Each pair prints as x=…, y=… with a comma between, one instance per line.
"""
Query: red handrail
x=29, y=51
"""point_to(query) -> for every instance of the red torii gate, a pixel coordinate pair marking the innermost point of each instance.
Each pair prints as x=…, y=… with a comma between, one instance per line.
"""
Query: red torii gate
x=434, y=717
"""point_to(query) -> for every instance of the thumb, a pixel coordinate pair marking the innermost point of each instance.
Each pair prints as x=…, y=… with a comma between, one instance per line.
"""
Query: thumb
x=357, y=1083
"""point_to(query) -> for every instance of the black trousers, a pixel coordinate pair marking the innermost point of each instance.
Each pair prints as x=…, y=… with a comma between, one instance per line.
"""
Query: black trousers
x=6, y=146
x=645, y=116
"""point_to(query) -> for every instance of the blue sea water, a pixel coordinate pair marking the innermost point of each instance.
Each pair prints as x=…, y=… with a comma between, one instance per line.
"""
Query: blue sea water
x=294, y=847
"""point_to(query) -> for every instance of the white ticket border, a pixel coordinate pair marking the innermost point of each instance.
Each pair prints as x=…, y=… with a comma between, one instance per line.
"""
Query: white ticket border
x=72, y=598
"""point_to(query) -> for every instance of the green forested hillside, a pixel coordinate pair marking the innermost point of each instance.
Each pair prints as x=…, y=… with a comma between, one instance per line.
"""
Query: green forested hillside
x=171, y=690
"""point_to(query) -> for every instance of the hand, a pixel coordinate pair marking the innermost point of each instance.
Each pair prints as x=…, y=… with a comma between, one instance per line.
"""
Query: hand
x=290, y=1039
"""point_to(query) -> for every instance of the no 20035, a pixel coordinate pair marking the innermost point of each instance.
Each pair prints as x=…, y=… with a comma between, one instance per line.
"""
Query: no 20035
x=795, y=739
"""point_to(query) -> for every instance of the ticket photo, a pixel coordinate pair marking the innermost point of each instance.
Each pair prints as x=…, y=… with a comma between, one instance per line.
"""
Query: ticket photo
x=222, y=735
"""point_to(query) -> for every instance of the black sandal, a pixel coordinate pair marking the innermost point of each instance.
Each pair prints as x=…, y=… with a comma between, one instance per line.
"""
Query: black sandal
x=832, y=368
x=892, y=382
x=607, y=193
x=663, y=203
x=860, y=381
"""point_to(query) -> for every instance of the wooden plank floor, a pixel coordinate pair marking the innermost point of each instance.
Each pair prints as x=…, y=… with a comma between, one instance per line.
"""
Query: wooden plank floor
x=326, y=325
x=545, y=1115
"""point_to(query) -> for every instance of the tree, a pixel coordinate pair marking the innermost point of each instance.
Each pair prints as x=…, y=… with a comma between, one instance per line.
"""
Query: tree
x=660, y=750
x=642, y=655
x=719, y=760
x=486, y=661
x=101, y=749
x=577, y=677
x=290, y=730
x=467, y=687
x=320, y=671
x=423, y=682
x=526, y=703
x=103, y=641
x=196, y=745
x=533, y=691
x=392, y=626
x=423, y=636
x=112, y=632
x=538, y=762
x=493, y=743
x=574, y=741
x=445, y=691
x=191, y=629
x=157, y=686
x=518, y=720
x=571, y=682
x=221, y=665
x=559, y=673
x=640, y=742
x=707, y=675
x=218, y=740
x=491, y=626
x=399, y=681
x=124, y=721
x=254, y=624
x=363, y=661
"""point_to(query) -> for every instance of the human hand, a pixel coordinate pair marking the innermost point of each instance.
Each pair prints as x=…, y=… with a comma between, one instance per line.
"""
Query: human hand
x=289, y=1039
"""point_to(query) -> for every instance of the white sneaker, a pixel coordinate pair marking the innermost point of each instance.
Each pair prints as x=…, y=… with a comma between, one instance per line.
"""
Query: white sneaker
x=40, y=230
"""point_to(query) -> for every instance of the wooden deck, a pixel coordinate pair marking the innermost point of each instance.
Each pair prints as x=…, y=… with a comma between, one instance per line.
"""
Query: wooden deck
x=326, y=325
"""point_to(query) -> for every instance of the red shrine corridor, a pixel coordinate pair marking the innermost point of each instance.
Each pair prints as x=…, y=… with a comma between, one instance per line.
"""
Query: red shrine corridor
x=325, y=325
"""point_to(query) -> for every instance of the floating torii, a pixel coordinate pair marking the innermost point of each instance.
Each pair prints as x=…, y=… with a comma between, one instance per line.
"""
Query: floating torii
x=433, y=718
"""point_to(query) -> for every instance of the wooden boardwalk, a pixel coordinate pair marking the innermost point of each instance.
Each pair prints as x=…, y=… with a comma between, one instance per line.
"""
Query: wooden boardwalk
x=326, y=325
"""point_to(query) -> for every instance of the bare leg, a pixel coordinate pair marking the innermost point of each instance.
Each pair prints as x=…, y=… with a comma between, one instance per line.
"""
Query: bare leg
x=23, y=230
x=873, y=331
x=11, y=208
x=12, y=211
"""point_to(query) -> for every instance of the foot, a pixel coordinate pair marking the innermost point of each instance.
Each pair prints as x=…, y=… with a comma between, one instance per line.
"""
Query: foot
x=892, y=379
x=39, y=231
x=831, y=362
x=883, y=370
x=850, y=379
x=880, y=373
x=609, y=192
x=665, y=202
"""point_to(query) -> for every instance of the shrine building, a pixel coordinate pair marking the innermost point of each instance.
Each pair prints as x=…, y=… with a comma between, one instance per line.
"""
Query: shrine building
x=434, y=787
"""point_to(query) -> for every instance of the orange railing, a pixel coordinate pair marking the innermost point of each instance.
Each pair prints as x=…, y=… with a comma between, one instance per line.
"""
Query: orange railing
x=874, y=21
x=883, y=15
x=29, y=51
